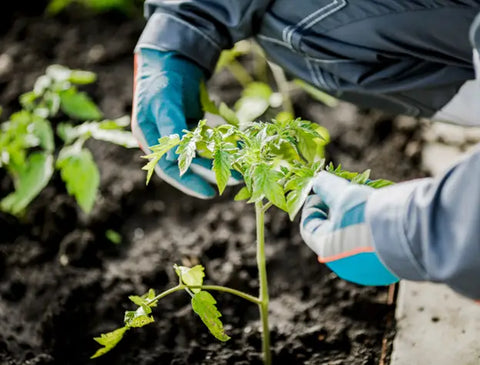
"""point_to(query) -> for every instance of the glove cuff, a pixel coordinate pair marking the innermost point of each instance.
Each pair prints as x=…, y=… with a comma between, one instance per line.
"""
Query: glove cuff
x=386, y=211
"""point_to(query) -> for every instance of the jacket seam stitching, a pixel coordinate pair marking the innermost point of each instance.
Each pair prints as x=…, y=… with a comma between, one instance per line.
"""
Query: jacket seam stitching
x=191, y=27
x=312, y=19
x=399, y=12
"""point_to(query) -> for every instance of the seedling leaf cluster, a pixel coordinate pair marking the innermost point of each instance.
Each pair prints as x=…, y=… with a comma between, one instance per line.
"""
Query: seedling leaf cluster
x=30, y=150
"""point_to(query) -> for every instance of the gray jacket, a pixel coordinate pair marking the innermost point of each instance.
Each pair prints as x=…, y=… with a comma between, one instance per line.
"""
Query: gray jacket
x=389, y=54
x=378, y=53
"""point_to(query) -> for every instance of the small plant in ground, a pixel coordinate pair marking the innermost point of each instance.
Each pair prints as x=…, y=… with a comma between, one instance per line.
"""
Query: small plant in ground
x=28, y=149
x=129, y=7
x=278, y=162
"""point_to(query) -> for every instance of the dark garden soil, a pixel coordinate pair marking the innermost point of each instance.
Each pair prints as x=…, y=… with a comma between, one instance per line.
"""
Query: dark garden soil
x=62, y=282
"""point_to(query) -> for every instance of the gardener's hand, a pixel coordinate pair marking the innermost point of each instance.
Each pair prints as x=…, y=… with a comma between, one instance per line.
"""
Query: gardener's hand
x=166, y=101
x=333, y=225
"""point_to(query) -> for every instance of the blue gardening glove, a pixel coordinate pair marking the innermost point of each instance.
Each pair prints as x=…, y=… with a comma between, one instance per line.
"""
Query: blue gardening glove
x=333, y=225
x=166, y=101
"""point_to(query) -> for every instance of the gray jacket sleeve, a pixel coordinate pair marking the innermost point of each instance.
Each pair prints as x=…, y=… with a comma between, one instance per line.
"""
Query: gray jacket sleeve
x=200, y=29
x=429, y=229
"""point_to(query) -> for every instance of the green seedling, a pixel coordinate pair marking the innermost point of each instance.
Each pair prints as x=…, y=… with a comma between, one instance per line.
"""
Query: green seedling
x=129, y=7
x=278, y=162
x=28, y=150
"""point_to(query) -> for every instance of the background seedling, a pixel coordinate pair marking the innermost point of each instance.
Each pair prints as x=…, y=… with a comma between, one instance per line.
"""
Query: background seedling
x=28, y=148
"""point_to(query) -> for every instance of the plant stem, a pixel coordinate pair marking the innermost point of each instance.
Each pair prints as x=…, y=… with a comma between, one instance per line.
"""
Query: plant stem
x=283, y=86
x=238, y=293
x=224, y=289
x=262, y=275
x=240, y=73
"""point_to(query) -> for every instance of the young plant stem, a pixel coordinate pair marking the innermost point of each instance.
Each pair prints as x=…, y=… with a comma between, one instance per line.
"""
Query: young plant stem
x=262, y=275
x=240, y=73
x=283, y=86
x=238, y=293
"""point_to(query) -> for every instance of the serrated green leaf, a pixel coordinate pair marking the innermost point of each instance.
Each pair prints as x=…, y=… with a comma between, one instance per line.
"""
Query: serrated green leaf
x=81, y=176
x=222, y=162
x=192, y=276
x=137, y=300
x=243, y=194
x=141, y=321
x=380, y=183
x=296, y=197
x=139, y=317
x=361, y=178
x=109, y=341
x=78, y=105
x=266, y=183
x=30, y=181
x=186, y=152
x=204, y=305
x=164, y=145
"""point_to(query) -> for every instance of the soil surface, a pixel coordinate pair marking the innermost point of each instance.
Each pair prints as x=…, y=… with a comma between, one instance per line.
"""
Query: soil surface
x=63, y=282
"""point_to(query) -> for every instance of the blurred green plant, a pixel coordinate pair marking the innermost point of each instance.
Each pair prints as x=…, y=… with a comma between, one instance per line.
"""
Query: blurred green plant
x=129, y=7
x=30, y=153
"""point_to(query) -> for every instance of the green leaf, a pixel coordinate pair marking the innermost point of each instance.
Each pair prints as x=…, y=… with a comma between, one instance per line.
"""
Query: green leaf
x=27, y=100
x=140, y=321
x=67, y=132
x=30, y=181
x=204, y=305
x=43, y=130
x=297, y=195
x=78, y=105
x=164, y=145
x=186, y=152
x=266, y=183
x=137, y=300
x=139, y=317
x=113, y=236
x=222, y=162
x=81, y=176
x=109, y=341
x=258, y=90
x=361, y=178
x=104, y=132
x=380, y=183
x=228, y=114
x=243, y=194
x=208, y=106
x=80, y=77
x=191, y=276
